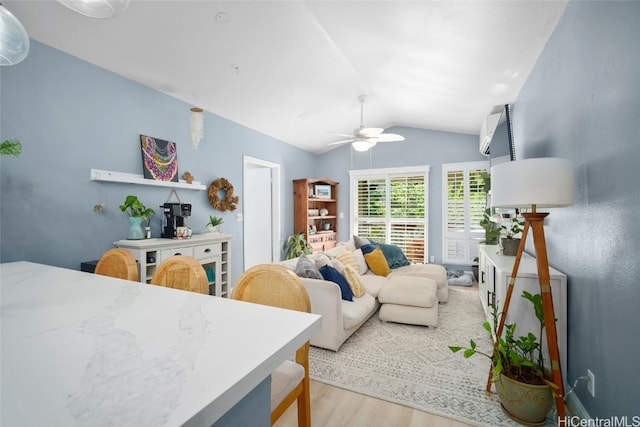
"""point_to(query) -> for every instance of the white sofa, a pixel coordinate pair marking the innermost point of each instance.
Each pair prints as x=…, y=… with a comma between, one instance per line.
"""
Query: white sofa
x=340, y=318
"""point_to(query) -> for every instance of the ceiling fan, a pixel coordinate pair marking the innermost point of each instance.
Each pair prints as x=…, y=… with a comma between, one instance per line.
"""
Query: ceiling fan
x=366, y=138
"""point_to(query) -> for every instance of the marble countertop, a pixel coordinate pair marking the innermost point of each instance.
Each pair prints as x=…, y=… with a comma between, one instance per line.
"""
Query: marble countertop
x=82, y=349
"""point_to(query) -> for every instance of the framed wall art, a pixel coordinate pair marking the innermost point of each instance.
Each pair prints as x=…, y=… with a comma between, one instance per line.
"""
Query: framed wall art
x=159, y=159
x=322, y=191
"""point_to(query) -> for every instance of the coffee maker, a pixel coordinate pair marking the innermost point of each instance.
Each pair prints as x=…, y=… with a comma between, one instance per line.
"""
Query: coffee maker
x=174, y=215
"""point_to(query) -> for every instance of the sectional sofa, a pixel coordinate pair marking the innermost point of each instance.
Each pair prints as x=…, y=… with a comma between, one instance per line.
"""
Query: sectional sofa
x=413, y=294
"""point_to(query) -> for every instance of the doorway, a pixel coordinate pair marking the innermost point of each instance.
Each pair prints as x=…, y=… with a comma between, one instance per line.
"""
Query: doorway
x=261, y=212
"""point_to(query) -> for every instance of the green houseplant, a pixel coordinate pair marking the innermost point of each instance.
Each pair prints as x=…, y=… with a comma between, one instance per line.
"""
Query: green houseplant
x=523, y=386
x=296, y=245
x=137, y=212
x=510, y=243
x=11, y=147
x=213, y=226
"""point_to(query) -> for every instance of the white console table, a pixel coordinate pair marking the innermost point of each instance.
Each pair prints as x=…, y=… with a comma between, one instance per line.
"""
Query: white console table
x=211, y=250
x=495, y=272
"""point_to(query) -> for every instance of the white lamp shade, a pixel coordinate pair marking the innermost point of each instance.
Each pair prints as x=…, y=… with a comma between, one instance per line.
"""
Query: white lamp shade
x=546, y=182
x=362, y=144
x=99, y=9
x=14, y=40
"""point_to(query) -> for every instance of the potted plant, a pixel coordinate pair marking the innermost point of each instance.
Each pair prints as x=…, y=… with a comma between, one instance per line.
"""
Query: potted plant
x=10, y=147
x=523, y=386
x=510, y=243
x=213, y=226
x=491, y=230
x=296, y=245
x=137, y=212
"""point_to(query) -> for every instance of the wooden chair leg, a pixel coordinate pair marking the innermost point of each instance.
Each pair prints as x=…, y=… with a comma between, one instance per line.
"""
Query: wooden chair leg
x=304, y=404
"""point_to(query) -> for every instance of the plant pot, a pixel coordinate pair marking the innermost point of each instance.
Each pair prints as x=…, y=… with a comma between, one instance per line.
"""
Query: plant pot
x=509, y=246
x=526, y=403
x=136, y=231
x=213, y=228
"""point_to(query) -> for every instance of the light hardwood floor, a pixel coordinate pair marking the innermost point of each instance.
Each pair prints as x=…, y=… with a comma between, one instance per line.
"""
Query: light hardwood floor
x=333, y=406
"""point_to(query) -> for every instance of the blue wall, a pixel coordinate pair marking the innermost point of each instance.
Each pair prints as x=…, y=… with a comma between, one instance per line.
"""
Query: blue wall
x=421, y=147
x=71, y=117
x=582, y=102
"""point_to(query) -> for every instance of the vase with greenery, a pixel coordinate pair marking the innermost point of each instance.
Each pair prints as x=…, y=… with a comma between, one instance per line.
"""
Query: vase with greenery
x=523, y=385
x=510, y=242
x=296, y=245
x=137, y=213
x=213, y=226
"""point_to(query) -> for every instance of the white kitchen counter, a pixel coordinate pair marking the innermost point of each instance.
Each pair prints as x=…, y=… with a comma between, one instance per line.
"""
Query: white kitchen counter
x=83, y=349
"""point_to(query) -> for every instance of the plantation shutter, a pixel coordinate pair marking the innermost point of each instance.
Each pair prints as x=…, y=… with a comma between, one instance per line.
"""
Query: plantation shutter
x=389, y=206
x=463, y=207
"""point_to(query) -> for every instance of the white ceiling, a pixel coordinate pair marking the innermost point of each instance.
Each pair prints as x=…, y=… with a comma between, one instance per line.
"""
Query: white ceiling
x=294, y=69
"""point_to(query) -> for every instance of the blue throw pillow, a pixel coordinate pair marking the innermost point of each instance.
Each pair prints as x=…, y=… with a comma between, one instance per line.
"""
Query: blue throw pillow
x=394, y=255
x=367, y=248
x=331, y=274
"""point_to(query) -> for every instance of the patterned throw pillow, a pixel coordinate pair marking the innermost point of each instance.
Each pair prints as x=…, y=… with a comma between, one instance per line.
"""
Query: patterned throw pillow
x=307, y=268
x=348, y=259
x=377, y=262
x=354, y=280
x=331, y=274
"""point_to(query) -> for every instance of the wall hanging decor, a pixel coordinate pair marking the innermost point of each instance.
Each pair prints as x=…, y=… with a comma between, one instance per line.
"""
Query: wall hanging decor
x=159, y=159
x=228, y=201
x=196, y=127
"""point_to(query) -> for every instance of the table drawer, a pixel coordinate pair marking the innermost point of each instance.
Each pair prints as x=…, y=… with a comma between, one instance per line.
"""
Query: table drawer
x=168, y=253
x=207, y=251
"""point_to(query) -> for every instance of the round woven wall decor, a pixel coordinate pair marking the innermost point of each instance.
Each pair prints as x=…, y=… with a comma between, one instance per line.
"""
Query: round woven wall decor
x=226, y=203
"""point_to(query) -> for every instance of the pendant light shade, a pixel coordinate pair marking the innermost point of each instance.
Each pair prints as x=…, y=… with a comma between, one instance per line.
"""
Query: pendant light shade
x=14, y=40
x=99, y=9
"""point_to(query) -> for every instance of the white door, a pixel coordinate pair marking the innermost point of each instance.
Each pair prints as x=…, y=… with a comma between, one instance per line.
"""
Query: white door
x=261, y=213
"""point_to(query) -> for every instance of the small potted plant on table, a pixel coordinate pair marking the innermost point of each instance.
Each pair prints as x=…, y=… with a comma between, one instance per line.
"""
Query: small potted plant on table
x=213, y=226
x=510, y=243
x=524, y=388
x=137, y=212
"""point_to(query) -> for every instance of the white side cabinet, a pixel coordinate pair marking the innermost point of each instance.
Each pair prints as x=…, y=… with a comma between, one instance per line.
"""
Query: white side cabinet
x=495, y=273
x=211, y=250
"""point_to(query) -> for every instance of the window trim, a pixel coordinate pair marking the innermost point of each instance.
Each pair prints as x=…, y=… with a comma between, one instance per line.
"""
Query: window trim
x=385, y=173
x=466, y=167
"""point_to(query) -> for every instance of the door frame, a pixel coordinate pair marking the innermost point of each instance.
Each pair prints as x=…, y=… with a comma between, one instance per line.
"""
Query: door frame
x=252, y=162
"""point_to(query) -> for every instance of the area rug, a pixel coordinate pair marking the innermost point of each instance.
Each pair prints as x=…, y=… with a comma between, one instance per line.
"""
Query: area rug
x=413, y=366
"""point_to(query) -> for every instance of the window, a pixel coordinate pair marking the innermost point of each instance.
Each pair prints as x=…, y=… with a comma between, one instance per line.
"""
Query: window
x=463, y=205
x=390, y=206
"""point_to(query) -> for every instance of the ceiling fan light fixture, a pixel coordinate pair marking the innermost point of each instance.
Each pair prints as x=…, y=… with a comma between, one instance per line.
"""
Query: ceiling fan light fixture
x=14, y=40
x=363, y=145
x=98, y=9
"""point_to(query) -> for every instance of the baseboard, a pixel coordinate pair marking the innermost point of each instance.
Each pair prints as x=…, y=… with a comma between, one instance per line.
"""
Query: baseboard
x=576, y=408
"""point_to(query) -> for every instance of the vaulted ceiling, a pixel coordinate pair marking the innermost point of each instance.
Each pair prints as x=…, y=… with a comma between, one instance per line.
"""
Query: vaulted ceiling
x=294, y=69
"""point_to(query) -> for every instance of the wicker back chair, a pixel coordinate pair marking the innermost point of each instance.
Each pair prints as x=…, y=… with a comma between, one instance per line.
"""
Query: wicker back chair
x=118, y=263
x=181, y=272
x=276, y=286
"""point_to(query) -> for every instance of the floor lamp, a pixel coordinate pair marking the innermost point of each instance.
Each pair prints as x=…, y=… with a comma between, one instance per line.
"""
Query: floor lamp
x=532, y=184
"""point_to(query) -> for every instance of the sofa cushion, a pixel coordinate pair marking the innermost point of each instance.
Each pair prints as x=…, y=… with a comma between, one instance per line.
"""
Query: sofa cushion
x=335, y=250
x=354, y=312
x=377, y=262
x=354, y=280
x=360, y=241
x=360, y=261
x=321, y=259
x=433, y=271
x=373, y=283
x=394, y=255
x=335, y=263
x=331, y=274
x=409, y=290
x=349, y=245
x=306, y=267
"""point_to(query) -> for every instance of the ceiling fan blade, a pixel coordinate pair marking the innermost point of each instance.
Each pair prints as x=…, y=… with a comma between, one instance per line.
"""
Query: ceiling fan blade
x=369, y=132
x=390, y=137
x=344, y=141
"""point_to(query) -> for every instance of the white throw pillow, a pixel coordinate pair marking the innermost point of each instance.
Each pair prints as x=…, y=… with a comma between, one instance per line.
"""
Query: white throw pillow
x=360, y=261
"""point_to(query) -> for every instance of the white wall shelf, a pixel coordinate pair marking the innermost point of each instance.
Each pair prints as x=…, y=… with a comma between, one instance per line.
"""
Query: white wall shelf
x=131, y=178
